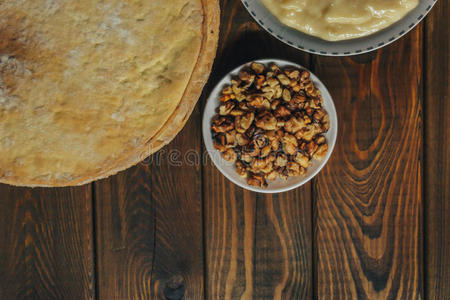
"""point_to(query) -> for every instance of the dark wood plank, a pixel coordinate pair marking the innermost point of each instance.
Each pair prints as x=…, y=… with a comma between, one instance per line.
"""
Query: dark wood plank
x=283, y=250
x=149, y=225
x=257, y=246
x=368, y=204
x=46, y=243
x=437, y=153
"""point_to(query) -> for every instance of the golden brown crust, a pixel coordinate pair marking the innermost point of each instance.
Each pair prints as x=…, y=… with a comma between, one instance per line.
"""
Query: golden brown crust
x=176, y=121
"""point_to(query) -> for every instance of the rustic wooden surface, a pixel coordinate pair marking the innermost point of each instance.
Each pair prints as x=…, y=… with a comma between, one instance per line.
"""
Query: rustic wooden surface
x=149, y=226
x=46, y=243
x=369, y=196
x=374, y=224
x=437, y=153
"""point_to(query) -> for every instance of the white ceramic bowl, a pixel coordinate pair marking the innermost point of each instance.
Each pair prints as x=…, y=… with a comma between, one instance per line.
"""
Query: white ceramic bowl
x=315, y=45
x=228, y=168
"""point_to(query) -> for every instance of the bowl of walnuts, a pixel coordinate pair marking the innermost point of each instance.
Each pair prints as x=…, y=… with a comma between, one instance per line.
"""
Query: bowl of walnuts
x=269, y=125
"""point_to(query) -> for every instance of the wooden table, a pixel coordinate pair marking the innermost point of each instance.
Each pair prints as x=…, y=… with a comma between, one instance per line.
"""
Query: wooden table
x=374, y=224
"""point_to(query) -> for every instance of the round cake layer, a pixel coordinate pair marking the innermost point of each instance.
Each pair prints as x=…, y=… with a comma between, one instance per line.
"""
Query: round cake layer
x=85, y=85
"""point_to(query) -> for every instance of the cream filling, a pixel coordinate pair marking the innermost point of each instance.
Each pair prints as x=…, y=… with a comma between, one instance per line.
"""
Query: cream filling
x=336, y=20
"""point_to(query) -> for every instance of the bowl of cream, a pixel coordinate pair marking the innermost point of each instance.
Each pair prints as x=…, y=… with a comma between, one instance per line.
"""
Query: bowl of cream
x=338, y=27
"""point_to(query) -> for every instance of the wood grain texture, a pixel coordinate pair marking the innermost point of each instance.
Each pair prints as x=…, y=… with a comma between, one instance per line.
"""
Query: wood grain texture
x=437, y=153
x=149, y=225
x=368, y=198
x=257, y=246
x=283, y=250
x=362, y=237
x=46, y=243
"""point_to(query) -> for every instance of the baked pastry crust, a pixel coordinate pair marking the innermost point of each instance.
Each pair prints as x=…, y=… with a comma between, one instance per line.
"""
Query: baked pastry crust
x=197, y=53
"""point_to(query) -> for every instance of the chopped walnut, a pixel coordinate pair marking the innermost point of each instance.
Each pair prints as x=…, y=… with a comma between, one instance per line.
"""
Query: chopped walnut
x=293, y=74
x=251, y=149
x=257, y=67
x=289, y=144
x=293, y=168
x=241, y=139
x=287, y=95
x=220, y=142
x=265, y=151
x=294, y=124
x=326, y=122
x=309, y=131
x=302, y=160
x=225, y=98
x=274, y=104
x=246, y=76
x=311, y=148
x=320, y=152
x=304, y=76
x=278, y=92
x=266, y=121
x=274, y=140
x=259, y=102
x=256, y=180
x=243, y=106
x=246, y=158
x=241, y=169
x=226, y=108
x=236, y=112
x=222, y=124
x=227, y=90
x=272, y=82
x=282, y=111
x=259, y=81
x=268, y=168
x=269, y=93
x=281, y=160
x=270, y=123
x=283, y=173
x=284, y=80
x=299, y=99
x=230, y=138
x=259, y=164
x=229, y=155
x=321, y=140
x=261, y=140
x=280, y=122
x=243, y=122
x=275, y=68
x=272, y=175
x=319, y=114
